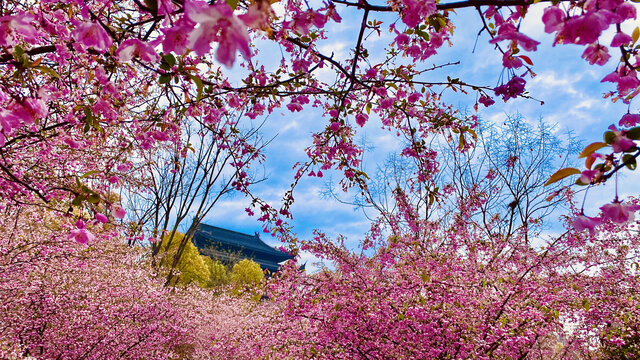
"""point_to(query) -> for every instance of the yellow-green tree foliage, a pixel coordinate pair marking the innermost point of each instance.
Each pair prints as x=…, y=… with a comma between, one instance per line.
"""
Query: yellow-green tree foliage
x=218, y=273
x=192, y=266
x=201, y=270
x=246, y=275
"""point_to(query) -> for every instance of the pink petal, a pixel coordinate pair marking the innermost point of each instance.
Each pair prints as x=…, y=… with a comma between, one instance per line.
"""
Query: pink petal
x=629, y=120
x=102, y=218
x=621, y=39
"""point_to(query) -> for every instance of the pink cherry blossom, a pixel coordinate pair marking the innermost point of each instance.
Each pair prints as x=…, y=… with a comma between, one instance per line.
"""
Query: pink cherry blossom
x=486, y=100
x=257, y=15
x=433, y=276
x=414, y=11
x=73, y=144
x=124, y=167
x=332, y=13
x=629, y=120
x=620, y=39
x=318, y=19
x=217, y=23
x=511, y=62
x=625, y=78
x=513, y=88
x=92, y=35
x=118, y=212
x=591, y=176
x=386, y=103
x=361, y=119
x=621, y=142
x=414, y=97
x=294, y=106
x=9, y=121
x=402, y=39
x=301, y=22
x=81, y=234
x=592, y=5
x=582, y=30
x=80, y=224
x=582, y=222
x=509, y=32
x=176, y=38
x=14, y=27
x=134, y=48
x=18, y=114
x=101, y=218
x=553, y=18
x=618, y=212
x=626, y=11
x=596, y=54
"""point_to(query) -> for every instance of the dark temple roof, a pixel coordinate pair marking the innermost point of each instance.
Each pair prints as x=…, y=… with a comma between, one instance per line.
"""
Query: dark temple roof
x=223, y=244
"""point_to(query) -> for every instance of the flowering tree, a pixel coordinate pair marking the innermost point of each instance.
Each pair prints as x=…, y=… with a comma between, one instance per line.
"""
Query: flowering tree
x=90, y=90
x=61, y=299
x=120, y=77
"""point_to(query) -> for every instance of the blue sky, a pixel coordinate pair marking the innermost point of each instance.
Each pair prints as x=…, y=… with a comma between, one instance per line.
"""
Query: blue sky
x=568, y=85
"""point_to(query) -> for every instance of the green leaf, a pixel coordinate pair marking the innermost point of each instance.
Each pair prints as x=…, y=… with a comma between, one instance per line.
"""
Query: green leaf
x=88, y=173
x=423, y=34
x=636, y=33
x=169, y=59
x=164, y=79
x=561, y=174
x=199, y=84
x=233, y=4
x=585, y=304
x=90, y=120
x=609, y=136
x=461, y=142
x=18, y=52
x=425, y=277
x=88, y=116
x=94, y=198
x=629, y=161
x=602, y=167
x=48, y=71
x=591, y=148
x=152, y=4
x=634, y=133
x=77, y=201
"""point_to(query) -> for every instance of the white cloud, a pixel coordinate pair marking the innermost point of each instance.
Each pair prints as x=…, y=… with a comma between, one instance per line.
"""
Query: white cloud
x=335, y=49
x=552, y=82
